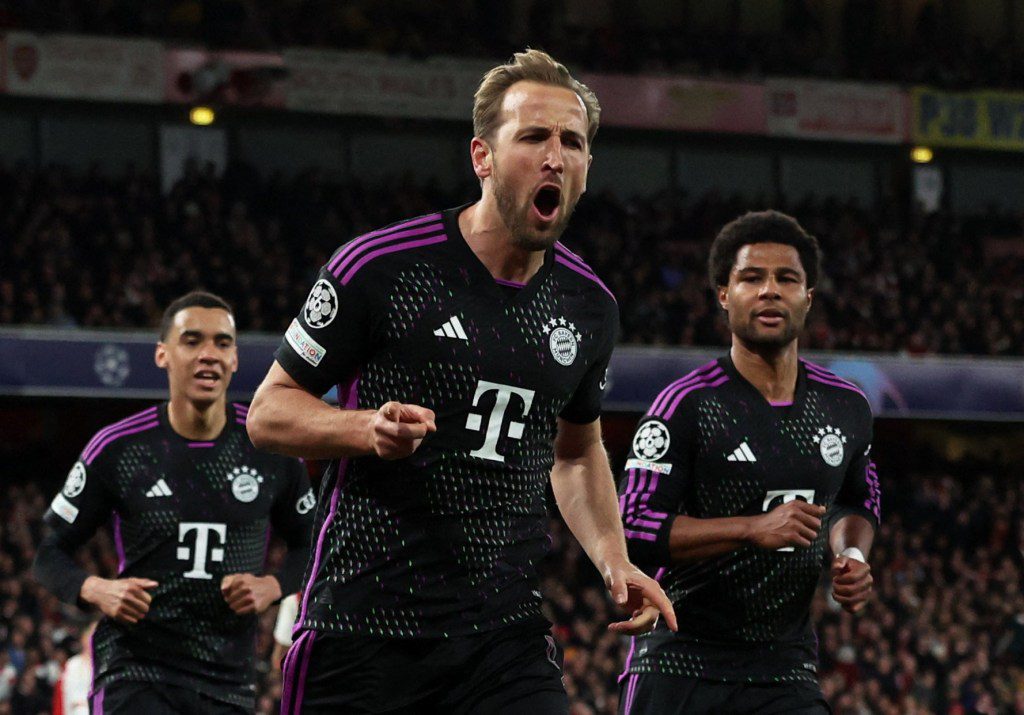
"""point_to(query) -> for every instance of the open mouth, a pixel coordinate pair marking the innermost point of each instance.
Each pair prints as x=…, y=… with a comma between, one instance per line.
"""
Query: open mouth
x=546, y=201
x=207, y=378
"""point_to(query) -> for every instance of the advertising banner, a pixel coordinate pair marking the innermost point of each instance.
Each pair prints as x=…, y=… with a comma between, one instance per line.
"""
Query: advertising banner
x=80, y=363
x=679, y=104
x=978, y=120
x=806, y=109
x=237, y=78
x=82, y=67
x=366, y=84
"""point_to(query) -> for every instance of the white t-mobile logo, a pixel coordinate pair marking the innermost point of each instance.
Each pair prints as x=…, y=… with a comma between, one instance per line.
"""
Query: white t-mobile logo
x=474, y=422
x=199, y=556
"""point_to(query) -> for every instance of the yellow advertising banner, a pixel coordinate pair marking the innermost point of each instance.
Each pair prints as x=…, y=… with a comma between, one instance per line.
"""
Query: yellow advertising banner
x=978, y=120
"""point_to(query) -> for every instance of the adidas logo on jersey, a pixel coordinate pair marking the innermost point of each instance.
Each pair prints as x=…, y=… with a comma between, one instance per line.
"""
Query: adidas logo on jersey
x=160, y=489
x=452, y=328
x=742, y=454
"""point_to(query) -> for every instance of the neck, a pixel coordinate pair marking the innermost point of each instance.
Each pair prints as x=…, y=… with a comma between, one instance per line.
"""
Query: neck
x=772, y=370
x=197, y=422
x=490, y=239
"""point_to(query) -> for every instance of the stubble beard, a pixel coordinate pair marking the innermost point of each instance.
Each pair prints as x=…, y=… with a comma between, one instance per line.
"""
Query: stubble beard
x=749, y=334
x=515, y=219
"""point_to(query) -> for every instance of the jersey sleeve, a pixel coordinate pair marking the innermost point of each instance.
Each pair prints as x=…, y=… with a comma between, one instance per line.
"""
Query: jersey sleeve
x=585, y=404
x=860, y=493
x=331, y=335
x=656, y=475
x=83, y=504
x=292, y=519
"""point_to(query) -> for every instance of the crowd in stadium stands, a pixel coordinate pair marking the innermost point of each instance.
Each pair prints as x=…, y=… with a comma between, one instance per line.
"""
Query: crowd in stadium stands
x=866, y=48
x=944, y=634
x=92, y=251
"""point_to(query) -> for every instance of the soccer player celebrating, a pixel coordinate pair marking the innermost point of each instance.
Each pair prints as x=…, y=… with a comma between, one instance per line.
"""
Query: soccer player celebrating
x=734, y=470
x=191, y=501
x=469, y=347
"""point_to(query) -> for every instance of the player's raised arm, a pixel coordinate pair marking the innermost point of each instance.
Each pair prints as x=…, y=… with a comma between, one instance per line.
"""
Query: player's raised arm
x=585, y=491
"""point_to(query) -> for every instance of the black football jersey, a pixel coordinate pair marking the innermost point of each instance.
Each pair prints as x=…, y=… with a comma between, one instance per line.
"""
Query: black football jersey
x=184, y=514
x=446, y=542
x=711, y=446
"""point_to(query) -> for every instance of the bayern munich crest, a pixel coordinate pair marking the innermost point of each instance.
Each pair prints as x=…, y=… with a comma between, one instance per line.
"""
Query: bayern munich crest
x=830, y=441
x=651, y=441
x=563, y=340
x=321, y=305
x=245, y=484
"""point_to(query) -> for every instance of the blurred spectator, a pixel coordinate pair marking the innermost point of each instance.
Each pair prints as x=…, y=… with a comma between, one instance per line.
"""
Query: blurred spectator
x=95, y=251
x=931, y=45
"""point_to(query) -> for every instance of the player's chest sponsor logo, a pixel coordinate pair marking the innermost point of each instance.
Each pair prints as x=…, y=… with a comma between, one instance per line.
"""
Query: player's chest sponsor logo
x=75, y=482
x=831, y=441
x=777, y=497
x=245, y=484
x=321, y=305
x=491, y=425
x=306, y=502
x=563, y=340
x=200, y=543
x=651, y=441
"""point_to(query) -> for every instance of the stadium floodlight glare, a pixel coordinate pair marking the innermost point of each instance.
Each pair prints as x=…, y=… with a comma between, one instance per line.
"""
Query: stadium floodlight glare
x=201, y=116
x=921, y=155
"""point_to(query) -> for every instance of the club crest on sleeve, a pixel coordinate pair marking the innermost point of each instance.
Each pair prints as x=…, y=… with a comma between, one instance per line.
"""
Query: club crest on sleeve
x=563, y=340
x=321, y=305
x=651, y=441
x=75, y=482
x=245, y=484
x=830, y=441
x=306, y=502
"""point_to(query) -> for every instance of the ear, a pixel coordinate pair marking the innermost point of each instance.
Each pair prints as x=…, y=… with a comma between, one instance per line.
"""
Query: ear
x=723, y=297
x=160, y=356
x=234, y=359
x=810, y=297
x=482, y=157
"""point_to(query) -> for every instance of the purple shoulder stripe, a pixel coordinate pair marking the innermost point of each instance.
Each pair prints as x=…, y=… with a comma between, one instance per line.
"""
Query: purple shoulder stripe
x=719, y=380
x=575, y=257
x=241, y=412
x=348, y=253
x=663, y=396
x=575, y=267
x=440, y=236
x=100, y=439
x=826, y=377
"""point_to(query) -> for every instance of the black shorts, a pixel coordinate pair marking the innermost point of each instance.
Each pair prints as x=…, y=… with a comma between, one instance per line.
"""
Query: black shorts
x=656, y=693
x=129, y=697
x=510, y=671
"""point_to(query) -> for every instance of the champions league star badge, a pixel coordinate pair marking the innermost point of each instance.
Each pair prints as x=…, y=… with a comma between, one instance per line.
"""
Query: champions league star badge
x=321, y=305
x=830, y=441
x=245, y=484
x=651, y=441
x=75, y=482
x=563, y=340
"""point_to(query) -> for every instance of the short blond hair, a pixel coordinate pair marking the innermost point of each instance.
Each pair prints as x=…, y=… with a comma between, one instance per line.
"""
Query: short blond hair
x=532, y=66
